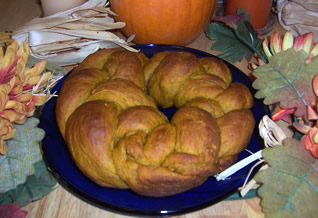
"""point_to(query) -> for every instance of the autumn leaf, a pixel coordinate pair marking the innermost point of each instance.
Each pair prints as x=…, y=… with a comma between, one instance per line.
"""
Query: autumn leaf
x=290, y=184
x=24, y=150
x=229, y=20
x=234, y=36
x=12, y=210
x=36, y=186
x=287, y=80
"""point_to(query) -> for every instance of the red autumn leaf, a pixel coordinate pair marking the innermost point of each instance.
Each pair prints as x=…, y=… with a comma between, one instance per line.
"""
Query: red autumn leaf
x=229, y=20
x=12, y=210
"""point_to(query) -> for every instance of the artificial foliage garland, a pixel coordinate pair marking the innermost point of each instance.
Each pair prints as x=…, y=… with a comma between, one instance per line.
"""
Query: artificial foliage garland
x=285, y=75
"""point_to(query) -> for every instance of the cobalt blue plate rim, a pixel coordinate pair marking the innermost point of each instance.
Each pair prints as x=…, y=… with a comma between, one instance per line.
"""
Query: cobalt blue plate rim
x=56, y=154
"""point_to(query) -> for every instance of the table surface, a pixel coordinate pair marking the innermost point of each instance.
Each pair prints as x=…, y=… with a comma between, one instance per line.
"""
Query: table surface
x=60, y=202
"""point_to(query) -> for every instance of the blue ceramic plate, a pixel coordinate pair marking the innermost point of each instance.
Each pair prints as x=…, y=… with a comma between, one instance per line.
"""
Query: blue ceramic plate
x=125, y=201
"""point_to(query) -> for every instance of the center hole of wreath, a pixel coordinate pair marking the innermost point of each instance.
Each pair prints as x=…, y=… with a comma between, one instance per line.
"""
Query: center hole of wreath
x=168, y=111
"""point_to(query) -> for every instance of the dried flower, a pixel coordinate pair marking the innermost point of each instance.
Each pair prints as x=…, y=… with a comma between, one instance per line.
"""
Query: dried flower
x=20, y=89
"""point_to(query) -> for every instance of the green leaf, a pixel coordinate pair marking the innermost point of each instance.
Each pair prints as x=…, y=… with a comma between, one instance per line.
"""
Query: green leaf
x=287, y=79
x=23, y=152
x=290, y=185
x=36, y=186
x=236, y=43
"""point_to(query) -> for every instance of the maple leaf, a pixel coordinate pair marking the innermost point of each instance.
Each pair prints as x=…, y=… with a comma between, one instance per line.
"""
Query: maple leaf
x=287, y=80
x=290, y=185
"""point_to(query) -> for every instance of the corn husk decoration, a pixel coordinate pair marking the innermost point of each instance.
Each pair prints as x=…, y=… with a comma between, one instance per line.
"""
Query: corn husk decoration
x=67, y=37
x=298, y=16
x=22, y=89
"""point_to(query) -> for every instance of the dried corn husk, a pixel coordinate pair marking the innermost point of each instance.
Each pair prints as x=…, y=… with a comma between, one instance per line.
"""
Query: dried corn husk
x=67, y=37
x=300, y=16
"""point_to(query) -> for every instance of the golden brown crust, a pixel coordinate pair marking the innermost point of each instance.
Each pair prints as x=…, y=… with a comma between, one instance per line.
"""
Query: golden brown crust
x=208, y=105
x=237, y=96
x=87, y=133
x=236, y=131
x=96, y=60
x=123, y=65
x=217, y=67
x=198, y=142
x=118, y=137
x=202, y=86
x=125, y=93
x=168, y=77
x=139, y=118
x=81, y=84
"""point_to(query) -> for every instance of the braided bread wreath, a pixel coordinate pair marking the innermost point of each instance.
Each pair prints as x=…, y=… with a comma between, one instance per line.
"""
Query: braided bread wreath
x=107, y=114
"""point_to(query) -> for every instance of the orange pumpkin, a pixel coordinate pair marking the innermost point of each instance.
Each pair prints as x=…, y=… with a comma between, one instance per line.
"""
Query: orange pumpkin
x=177, y=22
